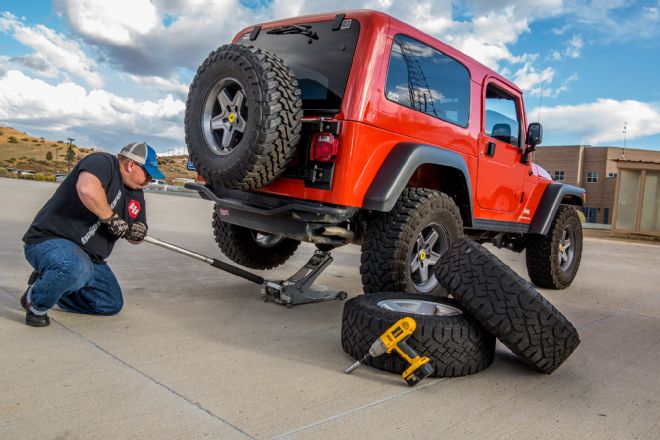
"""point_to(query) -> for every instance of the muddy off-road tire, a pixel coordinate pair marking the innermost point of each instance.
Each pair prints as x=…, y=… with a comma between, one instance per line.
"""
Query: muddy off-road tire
x=243, y=117
x=553, y=260
x=507, y=306
x=454, y=342
x=250, y=248
x=392, y=259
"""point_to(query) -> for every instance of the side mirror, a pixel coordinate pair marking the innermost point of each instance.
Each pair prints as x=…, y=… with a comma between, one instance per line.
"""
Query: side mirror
x=534, y=136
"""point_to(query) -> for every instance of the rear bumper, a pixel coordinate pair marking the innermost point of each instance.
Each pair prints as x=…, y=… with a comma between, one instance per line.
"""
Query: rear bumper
x=297, y=219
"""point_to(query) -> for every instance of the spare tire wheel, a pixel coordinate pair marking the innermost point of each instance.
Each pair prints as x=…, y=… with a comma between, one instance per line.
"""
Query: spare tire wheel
x=243, y=117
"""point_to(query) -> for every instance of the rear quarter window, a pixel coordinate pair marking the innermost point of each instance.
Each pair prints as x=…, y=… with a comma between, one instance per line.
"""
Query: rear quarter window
x=425, y=79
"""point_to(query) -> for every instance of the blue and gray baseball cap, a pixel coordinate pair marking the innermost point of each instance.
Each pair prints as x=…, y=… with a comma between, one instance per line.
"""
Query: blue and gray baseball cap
x=143, y=154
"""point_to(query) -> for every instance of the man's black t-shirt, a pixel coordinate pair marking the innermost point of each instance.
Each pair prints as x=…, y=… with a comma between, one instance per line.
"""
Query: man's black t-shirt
x=65, y=216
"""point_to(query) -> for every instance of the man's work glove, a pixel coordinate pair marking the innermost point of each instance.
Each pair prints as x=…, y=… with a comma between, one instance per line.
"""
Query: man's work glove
x=116, y=225
x=137, y=232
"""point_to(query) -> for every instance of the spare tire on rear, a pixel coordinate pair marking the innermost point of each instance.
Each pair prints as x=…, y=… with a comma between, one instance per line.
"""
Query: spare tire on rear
x=454, y=342
x=243, y=117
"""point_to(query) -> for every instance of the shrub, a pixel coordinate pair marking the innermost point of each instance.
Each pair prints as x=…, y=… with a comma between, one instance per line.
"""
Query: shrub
x=53, y=145
x=25, y=139
x=13, y=140
x=60, y=142
x=49, y=156
x=2, y=133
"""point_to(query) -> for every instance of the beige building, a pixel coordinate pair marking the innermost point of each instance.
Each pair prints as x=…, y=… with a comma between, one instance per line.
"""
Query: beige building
x=598, y=170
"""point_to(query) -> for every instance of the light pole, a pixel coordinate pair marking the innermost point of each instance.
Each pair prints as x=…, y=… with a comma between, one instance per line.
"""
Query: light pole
x=625, y=134
x=69, y=154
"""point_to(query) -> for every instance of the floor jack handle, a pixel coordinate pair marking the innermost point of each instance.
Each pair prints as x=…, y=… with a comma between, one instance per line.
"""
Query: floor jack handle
x=212, y=261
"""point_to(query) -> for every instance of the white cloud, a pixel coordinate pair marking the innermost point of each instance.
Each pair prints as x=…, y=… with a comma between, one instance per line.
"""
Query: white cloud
x=53, y=52
x=528, y=79
x=602, y=121
x=139, y=42
x=159, y=83
x=115, y=22
x=67, y=107
x=615, y=20
x=574, y=47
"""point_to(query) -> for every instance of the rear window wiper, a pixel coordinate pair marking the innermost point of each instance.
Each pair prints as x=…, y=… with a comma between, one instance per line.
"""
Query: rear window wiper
x=303, y=29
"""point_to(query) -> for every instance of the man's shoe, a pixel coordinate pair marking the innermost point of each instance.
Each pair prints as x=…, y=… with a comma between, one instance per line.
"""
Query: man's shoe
x=36, y=320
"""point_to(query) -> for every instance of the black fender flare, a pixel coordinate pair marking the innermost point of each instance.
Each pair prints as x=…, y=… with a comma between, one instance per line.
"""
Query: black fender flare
x=550, y=201
x=398, y=168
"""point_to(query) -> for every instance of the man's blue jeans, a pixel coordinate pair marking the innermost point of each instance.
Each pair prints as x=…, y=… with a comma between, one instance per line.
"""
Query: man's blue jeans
x=69, y=278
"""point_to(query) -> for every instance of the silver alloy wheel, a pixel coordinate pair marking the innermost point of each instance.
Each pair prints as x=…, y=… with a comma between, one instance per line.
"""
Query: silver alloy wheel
x=266, y=240
x=566, y=250
x=431, y=243
x=419, y=307
x=225, y=116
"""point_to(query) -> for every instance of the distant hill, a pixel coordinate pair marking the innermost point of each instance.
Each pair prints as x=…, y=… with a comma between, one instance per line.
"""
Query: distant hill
x=21, y=151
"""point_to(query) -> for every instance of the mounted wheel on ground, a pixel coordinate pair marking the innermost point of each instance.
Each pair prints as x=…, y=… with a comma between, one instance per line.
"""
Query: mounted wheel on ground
x=402, y=247
x=553, y=260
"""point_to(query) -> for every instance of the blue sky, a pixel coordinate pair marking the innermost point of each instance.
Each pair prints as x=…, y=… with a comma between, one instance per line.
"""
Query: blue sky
x=106, y=73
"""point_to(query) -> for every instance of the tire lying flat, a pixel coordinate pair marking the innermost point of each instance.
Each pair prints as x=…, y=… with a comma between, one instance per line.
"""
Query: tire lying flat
x=243, y=117
x=455, y=343
x=507, y=305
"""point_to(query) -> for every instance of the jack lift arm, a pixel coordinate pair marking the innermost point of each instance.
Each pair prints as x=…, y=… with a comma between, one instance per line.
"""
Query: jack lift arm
x=297, y=289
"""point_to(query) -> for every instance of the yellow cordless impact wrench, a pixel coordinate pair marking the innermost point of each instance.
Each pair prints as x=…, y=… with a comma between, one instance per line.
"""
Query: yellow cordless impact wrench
x=395, y=339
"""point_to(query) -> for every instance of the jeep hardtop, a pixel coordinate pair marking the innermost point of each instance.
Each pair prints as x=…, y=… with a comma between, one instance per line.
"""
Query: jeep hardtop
x=356, y=128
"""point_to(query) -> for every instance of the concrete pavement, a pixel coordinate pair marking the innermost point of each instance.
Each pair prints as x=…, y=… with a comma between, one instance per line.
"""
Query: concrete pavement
x=196, y=354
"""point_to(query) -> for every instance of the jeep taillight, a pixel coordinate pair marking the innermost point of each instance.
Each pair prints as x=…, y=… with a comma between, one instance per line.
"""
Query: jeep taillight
x=324, y=147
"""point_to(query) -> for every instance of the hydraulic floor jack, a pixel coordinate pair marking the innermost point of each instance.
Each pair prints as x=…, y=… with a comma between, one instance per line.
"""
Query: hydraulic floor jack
x=297, y=289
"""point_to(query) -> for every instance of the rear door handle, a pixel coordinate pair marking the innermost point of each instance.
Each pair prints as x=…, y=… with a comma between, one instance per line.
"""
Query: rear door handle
x=490, y=149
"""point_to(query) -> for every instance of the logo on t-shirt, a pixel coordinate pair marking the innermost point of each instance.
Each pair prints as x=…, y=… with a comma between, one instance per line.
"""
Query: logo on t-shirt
x=133, y=208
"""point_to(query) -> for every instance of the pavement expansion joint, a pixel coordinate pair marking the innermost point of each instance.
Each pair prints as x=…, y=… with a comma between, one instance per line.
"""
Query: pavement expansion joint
x=140, y=372
x=376, y=403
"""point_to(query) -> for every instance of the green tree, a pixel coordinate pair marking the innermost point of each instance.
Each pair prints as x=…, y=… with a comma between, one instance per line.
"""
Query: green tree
x=13, y=140
x=49, y=156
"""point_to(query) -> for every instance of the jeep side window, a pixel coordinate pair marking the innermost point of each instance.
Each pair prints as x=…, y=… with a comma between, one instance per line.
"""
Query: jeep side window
x=502, y=119
x=428, y=81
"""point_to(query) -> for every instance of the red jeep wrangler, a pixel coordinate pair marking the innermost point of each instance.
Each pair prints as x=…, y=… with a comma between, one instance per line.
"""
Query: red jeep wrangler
x=358, y=128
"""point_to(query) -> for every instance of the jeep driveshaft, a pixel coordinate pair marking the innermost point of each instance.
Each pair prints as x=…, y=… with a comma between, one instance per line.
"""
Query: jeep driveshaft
x=297, y=289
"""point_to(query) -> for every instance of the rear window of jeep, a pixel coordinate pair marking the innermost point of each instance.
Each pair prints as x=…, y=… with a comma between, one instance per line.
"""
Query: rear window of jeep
x=425, y=79
x=320, y=58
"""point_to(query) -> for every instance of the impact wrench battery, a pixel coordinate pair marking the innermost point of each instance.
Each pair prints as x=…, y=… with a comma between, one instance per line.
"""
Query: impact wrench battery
x=395, y=338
